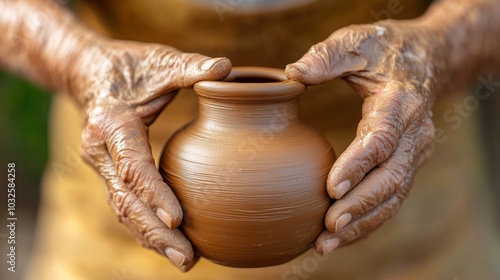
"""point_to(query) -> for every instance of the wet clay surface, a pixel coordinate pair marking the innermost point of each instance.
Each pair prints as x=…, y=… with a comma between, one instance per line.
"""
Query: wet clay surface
x=249, y=175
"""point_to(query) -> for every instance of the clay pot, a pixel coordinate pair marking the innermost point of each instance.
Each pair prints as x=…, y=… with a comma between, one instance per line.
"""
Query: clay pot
x=248, y=173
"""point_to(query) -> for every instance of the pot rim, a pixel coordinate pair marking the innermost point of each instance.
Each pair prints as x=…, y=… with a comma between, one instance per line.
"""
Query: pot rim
x=246, y=91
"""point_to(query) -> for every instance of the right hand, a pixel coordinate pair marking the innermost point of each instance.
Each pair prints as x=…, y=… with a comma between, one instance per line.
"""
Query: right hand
x=123, y=86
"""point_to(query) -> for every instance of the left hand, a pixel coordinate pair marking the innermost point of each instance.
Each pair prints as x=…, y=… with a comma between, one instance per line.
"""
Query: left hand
x=394, y=67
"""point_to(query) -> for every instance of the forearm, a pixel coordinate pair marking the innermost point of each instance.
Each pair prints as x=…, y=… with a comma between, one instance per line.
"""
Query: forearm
x=468, y=34
x=42, y=41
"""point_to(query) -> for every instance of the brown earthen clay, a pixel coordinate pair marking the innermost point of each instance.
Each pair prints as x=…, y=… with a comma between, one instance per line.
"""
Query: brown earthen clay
x=250, y=176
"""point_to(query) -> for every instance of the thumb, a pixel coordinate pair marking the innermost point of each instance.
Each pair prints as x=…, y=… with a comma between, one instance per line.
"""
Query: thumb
x=199, y=67
x=346, y=51
x=186, y=69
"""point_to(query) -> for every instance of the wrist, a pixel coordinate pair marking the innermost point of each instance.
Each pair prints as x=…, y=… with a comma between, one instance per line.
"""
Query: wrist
x=86, y=68
x=458, y=33
x=419, y=47
x=43, y=42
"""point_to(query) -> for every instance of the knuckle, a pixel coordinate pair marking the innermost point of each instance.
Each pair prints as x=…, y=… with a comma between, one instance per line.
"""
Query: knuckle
x=417, y=107
x=396, y=172
x=377, y=194
x=366, y=225
x=388, y=211
x=125, y=202
x=410, y=101
x=405, y=101
x=320, y=48
x=381, y=143
x=88, y=140
x=156, y=237
x=142, y=181
x=321, y=54
x=92, y=149
x=396, y=181
x=136, y=175
x=355, y=34
x=95, y=119
x=126, y=133
x=129, y=157
x=125, y=166
x=366, y=203
x=395, y=178
x=351, y=233
x=182, y=61
x=363, y=167
x=403, y=192
x=181, y=64
x=428, y=132
x=192, y=59
x=165, y=58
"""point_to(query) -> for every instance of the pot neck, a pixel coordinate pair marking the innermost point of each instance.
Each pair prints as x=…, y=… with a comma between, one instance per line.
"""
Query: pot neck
x=250, y=97
x=220, y=114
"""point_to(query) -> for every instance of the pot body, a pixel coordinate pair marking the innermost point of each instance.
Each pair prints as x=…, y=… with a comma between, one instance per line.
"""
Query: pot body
x=249, y=175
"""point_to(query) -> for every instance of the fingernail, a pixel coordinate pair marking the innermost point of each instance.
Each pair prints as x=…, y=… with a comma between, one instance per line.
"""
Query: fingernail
x=208, y=64
x=164, y=217
x=177, y=257
x=187, y=267
x=342, y=221
x=342, y=188
x=296, y=67
x=330, y=245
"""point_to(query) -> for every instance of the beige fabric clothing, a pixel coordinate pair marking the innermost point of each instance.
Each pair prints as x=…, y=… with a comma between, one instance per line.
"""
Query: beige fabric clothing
x=443, y=231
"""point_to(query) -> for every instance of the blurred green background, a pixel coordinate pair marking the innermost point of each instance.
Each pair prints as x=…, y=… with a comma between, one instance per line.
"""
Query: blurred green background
x=24, y=109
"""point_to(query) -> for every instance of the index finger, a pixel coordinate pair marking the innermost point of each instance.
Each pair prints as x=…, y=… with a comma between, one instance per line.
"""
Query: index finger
x=341, y=53
x=146, y=226
x=385, y=118
x=125, y=139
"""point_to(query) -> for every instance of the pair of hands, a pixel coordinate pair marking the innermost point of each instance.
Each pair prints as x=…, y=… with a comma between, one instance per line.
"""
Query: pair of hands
x=389, y=64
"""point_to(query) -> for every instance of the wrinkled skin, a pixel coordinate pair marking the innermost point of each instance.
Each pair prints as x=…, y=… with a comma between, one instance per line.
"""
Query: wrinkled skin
x=387, y=64
x=127, y=87
x=121, y=87
x=397, y=68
